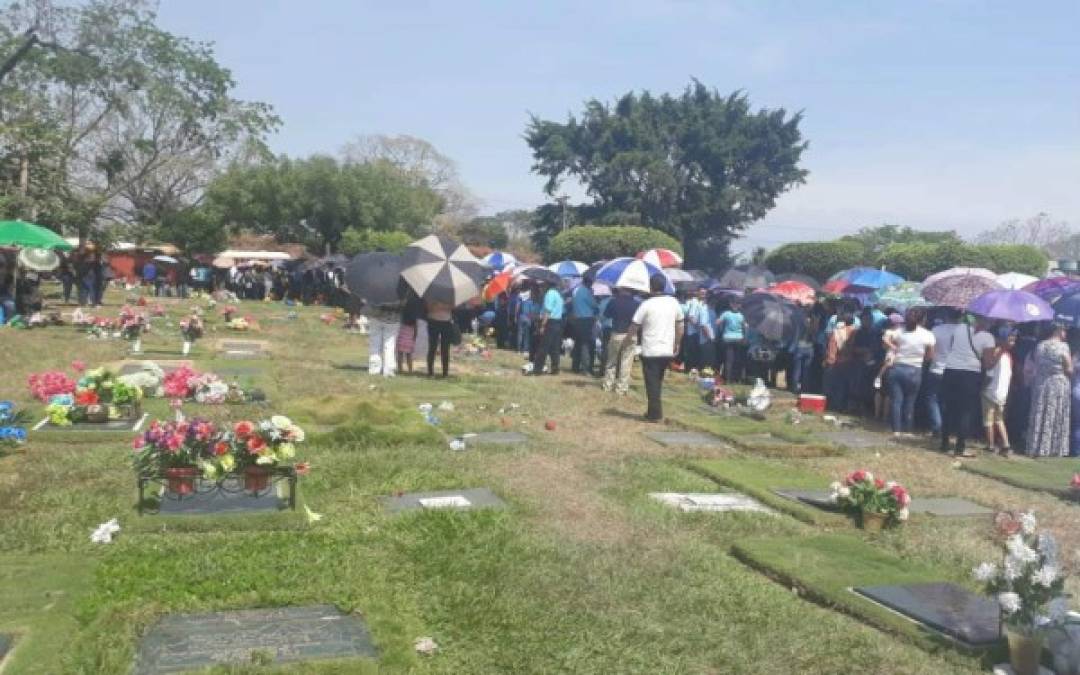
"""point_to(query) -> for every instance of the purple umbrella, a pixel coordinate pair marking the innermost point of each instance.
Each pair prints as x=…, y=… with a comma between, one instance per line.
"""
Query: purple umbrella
x=958, y=290
x=1053, y=288
x=1007, y=305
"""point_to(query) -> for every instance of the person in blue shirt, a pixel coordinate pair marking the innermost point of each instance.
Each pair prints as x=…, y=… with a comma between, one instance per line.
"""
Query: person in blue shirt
x=732, y=329
x=583, y=308
x=527, y=310
x=550, y=330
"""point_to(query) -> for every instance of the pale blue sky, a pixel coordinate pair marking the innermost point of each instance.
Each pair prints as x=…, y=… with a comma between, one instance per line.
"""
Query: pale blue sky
x=949, y=114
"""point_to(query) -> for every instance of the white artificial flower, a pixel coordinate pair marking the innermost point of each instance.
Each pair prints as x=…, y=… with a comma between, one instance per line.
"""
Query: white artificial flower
x=281, y=422
x=986, y=571
x=1046, y=576
x=1048, y=547
x=835, y=486
x=264, y=460
x=1028, y=523
x=903, y=514
x=1010, y=602
x=105, y=531
x=1013, y=568
x=845, y=492
x=869, y=477
x=297, y=434
x=1020, y=550
x=890, y=484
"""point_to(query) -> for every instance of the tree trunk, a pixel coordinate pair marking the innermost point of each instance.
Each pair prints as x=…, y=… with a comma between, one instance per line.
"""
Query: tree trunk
x=24, y=174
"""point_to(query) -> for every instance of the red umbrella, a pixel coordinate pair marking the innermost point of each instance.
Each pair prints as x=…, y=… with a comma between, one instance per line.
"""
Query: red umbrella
x=836, y=286
x=499, y=283
x=795, y=291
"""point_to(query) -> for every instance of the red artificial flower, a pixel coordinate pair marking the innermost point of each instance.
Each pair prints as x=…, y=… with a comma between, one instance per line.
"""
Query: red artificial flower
x=86, y=397
x=244, y=429
x=221, y=448
x=302, y=468
x=878, y=483
x=174, y=442
x=1007, y=523
x=139, y=443
x=256, y=444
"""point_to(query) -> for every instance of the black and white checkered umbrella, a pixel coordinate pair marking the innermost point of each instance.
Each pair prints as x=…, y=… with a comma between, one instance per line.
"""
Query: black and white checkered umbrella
x=440, y=269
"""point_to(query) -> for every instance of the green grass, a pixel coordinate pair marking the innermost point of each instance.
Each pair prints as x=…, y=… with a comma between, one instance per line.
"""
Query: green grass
x=1048, y=474
x=823, y=568
x=759, y=477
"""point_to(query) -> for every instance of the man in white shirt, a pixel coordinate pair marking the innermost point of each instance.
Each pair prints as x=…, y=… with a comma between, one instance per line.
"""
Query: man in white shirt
x=660, y=319
x=961, y=384
x=932, y=385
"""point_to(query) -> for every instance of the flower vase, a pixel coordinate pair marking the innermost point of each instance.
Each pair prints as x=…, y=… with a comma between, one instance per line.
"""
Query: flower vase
x=873, y=522
x=187, y=347
x=181, y=480
x=256, y=478
x=1024, y=651
x=136, y=346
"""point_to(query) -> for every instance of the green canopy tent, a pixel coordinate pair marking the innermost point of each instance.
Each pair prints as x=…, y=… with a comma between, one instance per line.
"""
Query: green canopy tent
x=22, y=234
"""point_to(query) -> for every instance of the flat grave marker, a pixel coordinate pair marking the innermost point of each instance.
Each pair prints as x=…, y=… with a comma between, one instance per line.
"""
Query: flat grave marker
x=941, y=507
x=467, y=499
x=722, y=502
x=695, y=439
x=130, y=367
x=973, y=620
x=183, y=642
x=243, y=349
x=497, y=438
x=855, y=439
x=95, y=427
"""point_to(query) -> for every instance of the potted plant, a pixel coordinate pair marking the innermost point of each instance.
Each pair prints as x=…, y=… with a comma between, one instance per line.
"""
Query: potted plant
x=191, y=328
x=176, y=451
x=260, y=446
x=1028, y=586
x=876, y=503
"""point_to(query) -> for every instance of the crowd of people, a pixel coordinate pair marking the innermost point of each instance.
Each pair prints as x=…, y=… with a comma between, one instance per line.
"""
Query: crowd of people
x=934, y=370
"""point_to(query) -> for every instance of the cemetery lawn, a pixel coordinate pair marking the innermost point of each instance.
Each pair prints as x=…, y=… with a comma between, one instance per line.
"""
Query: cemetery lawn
x=1048, y=474
x=583, y=572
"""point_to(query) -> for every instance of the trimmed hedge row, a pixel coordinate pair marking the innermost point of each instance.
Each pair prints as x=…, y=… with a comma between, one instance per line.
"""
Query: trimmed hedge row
x=590, y=242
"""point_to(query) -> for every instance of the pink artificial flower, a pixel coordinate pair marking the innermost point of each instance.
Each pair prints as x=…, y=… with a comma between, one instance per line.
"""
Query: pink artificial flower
x=174, y=442
x=1075, y=482
x=139, y=443
x=78, y=366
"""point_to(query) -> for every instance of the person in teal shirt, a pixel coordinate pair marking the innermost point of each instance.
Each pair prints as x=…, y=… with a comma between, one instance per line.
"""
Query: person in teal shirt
x=550, y=330
x=732, y=325
x=583, y=307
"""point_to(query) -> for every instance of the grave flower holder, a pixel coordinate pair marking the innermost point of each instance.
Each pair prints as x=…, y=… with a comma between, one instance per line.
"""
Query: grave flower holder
x=181, y=483
x=1025, y=650
x=256, y=478
x=873, y=522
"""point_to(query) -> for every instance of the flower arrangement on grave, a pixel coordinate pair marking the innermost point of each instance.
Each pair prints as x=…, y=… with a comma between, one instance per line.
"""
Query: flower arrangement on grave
x=240, y=324
x=876, y=502
x=132, y=326
x=100, y=327
x=191, y=328
x=259, y=446
x=99, y=396
x=12, y=431
x=227, y=312
x=185, y=383
x=44, y=386
x=174, y=450
x=1028, y=585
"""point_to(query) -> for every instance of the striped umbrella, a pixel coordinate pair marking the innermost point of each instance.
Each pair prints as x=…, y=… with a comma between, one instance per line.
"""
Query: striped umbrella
x=631, y=274
x=661, y=257
x=498, y=260
x=440, y=269
x=569, y=268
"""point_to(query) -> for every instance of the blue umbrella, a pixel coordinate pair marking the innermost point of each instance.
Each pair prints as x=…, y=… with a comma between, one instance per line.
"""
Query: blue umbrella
x=869, y=277
x=569, y=268
x=1067, y=309
x=632, y=274
x=499, y=260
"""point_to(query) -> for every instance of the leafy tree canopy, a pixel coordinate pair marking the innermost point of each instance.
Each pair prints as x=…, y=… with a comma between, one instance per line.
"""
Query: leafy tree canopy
x=874, y=240
x=697, y=166
x=590, y=243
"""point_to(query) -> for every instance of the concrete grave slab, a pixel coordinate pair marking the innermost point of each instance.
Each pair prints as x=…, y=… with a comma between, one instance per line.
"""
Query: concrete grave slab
x=722, y=502
x=128, y=367
x=243, y=349
x=816, y=498
x=694, y=439
x=974, y=620
x=232, y=499
x=1006, y=669
x=948, y=507
x=184, y=642
x=497, y=438
x=855, y=439
x=95, y=427
x=466, y=499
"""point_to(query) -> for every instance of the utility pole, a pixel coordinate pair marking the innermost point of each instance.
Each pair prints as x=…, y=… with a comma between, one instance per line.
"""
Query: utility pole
x=562, y=199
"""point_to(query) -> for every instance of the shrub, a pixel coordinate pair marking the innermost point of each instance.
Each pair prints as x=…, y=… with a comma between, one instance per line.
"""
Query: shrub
x=589, y=243
x=919, y=260
x=820, y=260
x=355, y=240
x=1012, y=258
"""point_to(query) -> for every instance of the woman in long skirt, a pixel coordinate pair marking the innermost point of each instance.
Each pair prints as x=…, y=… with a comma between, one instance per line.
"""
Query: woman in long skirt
x=1051, y=398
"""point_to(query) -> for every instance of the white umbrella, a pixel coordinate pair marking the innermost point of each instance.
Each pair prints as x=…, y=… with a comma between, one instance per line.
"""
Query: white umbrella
x=166, y=259
x=1014, y=281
